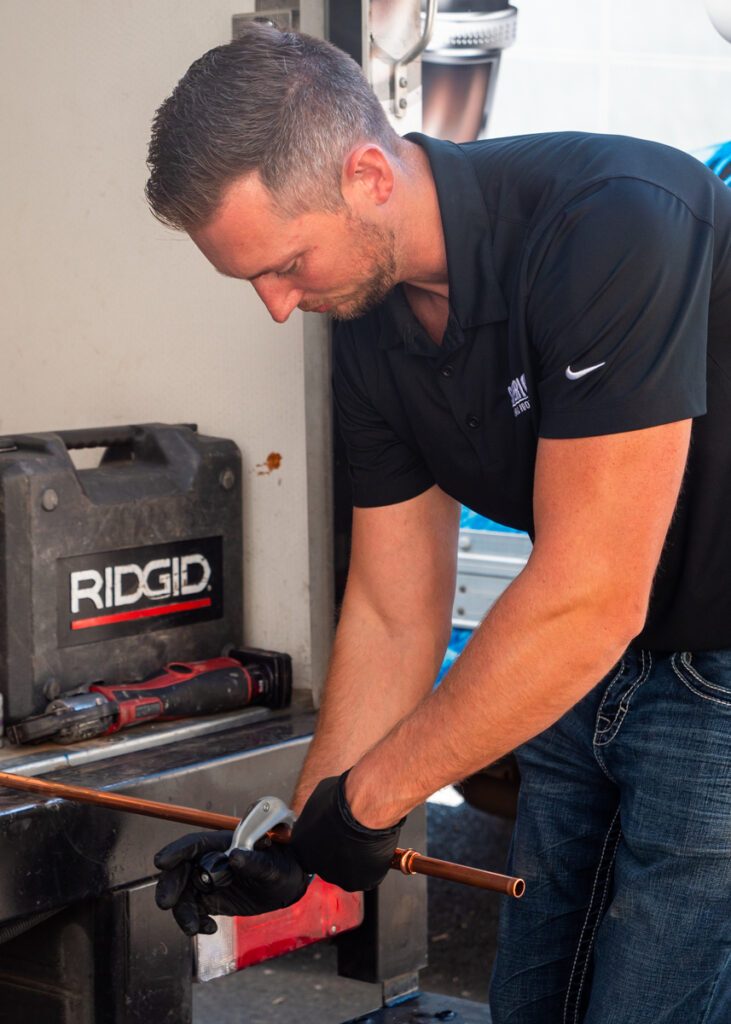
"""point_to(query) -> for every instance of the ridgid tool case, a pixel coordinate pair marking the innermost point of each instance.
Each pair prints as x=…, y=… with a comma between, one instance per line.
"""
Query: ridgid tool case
x=111, y=571
x=127, y=574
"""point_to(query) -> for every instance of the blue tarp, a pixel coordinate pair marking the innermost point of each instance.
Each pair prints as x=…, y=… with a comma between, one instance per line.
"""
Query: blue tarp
x=472, y=521
x=718, y=158
x=457, y=641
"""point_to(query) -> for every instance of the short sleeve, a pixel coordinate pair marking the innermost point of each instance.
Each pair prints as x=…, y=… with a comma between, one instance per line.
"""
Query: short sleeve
x=617, y=312
x=384, y=467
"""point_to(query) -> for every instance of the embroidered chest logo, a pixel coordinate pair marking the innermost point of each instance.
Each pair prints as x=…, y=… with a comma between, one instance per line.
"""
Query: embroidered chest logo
x=518, y=391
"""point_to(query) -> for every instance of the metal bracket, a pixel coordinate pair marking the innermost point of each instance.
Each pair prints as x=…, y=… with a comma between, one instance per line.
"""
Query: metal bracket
x=400, y=989
x=399, y=78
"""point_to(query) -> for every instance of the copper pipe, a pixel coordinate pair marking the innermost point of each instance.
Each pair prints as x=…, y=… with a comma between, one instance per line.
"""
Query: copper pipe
x=131, y=804
x=413, y=863
x=408, y=861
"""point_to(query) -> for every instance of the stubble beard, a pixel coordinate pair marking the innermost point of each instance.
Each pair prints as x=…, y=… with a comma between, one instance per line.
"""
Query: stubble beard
x=377, y=251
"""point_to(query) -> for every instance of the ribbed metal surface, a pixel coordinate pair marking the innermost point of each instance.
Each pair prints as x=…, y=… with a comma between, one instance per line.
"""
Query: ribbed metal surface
x=472, y=34
x=487, y=561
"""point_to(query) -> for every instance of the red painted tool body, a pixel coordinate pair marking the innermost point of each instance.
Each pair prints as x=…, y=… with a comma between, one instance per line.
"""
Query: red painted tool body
x=181, y=690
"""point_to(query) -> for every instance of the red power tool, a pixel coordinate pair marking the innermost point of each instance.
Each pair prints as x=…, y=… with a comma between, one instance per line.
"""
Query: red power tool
x=245, y=677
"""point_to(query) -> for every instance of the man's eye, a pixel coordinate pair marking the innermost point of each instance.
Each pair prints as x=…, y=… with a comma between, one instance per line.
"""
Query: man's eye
x=288, y=270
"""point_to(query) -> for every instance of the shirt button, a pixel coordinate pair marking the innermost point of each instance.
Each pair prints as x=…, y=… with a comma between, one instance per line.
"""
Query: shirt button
x=447, y=371
x=473, y=421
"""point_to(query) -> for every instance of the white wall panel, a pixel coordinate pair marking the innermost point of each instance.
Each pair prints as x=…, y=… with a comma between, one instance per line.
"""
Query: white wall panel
x=681, y=109
x=532, y=93
x=655, y=68
x=108, y=317
x=667, y=27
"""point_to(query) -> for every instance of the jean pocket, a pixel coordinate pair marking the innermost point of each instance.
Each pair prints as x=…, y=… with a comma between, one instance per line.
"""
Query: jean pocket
x=627, y=677
x=707, y=674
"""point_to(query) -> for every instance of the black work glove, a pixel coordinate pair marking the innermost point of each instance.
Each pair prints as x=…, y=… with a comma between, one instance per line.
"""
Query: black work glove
x=329, y=842
x=262, y=880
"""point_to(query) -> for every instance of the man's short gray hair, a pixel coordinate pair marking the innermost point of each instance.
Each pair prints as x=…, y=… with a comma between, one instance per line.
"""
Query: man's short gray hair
x=286, y=105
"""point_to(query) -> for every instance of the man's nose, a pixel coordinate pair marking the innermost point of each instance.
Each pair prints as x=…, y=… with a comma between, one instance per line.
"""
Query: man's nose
x=279, y=297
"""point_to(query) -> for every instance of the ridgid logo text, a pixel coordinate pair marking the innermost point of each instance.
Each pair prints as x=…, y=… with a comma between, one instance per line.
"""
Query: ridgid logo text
x=116, y=593
x=120, y=585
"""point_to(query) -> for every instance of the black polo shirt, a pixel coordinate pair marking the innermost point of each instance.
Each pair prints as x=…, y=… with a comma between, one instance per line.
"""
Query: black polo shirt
x=590, y=293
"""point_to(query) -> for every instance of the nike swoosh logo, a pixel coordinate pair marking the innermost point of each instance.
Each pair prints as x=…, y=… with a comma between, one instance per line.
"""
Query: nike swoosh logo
x=576, y=374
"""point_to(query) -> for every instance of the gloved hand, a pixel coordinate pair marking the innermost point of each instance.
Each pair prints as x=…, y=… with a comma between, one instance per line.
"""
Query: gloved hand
x=262, y=880
x=329, y=842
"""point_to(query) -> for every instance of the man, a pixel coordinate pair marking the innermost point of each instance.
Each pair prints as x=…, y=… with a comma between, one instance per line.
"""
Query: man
x=537, y=327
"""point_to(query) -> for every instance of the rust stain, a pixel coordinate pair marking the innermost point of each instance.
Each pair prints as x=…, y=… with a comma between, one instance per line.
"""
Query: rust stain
x=273, y=461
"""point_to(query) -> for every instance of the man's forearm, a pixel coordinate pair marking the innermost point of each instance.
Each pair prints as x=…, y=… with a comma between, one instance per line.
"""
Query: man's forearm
x=531, y=660
x=556, y=630
x=376, y=678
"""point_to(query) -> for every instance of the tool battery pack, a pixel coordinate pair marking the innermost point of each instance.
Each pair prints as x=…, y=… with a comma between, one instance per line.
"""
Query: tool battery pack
x=108, y=573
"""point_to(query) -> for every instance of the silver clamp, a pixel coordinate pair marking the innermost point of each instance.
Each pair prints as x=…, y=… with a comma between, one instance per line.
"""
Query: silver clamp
x=213, y=870
x=263, y=816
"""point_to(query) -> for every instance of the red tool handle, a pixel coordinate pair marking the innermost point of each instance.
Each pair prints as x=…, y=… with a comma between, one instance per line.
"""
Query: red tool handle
x=183, y=690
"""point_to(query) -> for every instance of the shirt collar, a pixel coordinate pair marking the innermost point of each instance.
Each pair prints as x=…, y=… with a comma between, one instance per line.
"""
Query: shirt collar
x=399, y=328
x=475, y=294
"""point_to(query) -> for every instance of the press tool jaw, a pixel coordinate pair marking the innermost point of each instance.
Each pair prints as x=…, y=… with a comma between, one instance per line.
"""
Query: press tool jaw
x=213, y=869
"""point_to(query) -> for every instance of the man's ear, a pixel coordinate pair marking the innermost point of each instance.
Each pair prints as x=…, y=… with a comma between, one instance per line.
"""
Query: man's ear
x=367, y=175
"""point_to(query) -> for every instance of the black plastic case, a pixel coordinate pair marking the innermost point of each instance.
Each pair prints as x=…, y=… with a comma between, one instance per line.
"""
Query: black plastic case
x=108, y=573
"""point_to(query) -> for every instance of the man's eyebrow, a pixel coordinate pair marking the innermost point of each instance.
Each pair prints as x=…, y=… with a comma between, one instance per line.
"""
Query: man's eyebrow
x=280, y=266
x=276, y=269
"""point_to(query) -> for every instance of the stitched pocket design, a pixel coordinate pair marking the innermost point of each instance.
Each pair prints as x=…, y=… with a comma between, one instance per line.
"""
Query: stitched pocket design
x=693, y=671
x=618, y=697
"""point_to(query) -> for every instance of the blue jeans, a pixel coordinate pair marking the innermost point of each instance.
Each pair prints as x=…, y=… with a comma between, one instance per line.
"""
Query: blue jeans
x=623, y=836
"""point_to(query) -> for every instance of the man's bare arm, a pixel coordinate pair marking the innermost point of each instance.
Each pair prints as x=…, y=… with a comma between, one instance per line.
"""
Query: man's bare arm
x=602, y=509
x=393, y=629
